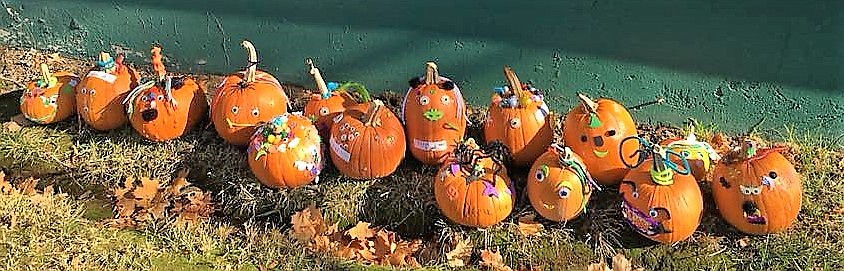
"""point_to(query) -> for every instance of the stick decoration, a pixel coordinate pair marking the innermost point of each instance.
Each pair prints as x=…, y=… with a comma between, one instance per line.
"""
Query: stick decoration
x=320, y=83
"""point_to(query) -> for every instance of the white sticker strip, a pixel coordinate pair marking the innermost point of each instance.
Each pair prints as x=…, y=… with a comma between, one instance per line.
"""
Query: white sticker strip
x=339, y=151
x=103, y=76
x=441, y=145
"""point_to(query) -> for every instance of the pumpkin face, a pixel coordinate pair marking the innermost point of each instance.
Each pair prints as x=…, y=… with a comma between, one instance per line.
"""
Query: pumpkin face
x=701, y=156
x=759, y=195
x=559, y=185
x=594, y=131
x=50, y=99
x=99, y=95
x=367, y=141
x=474, y=193
x=517, y=117
x=285, y=152
x=433, y=111
x=244, y=100
x=327, y=104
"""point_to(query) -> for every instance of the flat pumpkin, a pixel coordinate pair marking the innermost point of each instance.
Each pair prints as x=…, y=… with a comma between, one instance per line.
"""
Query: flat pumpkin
x=246, y=99
x=367, y=141
x=518, y=117
x=594, y=131
x=330, y=101
x=434, y=113
x=559, y=185
x=166, y=107
x=285, y=152
x=50, y=99
x=99, y=95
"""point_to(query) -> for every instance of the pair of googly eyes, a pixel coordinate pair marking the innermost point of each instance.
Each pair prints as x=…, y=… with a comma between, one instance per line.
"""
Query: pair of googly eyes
x=255, y=111
x=87, y=91
x=425, y=100
x=146, y=99
x=563, y=192
x=349, y=137
x=750, y=190
x=609, y=133
x=323, y=111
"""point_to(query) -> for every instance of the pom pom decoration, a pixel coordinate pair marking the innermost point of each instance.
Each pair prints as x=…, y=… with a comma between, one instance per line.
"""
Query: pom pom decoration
x=50, y=99
x=285, y=152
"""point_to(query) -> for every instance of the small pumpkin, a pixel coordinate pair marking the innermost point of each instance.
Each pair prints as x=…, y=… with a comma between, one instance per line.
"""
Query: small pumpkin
x=559, y=186
x=594, y=131
x=758, y=193
x=473, y=188
x=518, y=117
x=327, y=104
x=367, y=141
x=285, y=152
x=99, y=95
x=660, y=200
x=434, y=112
x=246, y=99
x=50, y=99
x=166, y=107
x=701, y=156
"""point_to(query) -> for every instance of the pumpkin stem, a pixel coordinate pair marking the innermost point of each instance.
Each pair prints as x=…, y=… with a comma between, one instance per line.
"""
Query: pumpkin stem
x=47, y=77
x=253, y=61
x=516, y=87
x=587, y=102
x=358, y=88
x=431, y=73
x=157, y=65
x=320, y=83
x=372, y=113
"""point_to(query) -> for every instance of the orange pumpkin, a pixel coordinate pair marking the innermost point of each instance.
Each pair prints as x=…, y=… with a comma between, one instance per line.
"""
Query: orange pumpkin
x=701, y=156
x=758, y=194
x=327, y=104
x=558, y=185
x=285, y=152
x=434, y=113
x=99, y=95
x=167, y=107
x=246, y=99
x=473, y=189
x=367, y=141
x=517, y=117
x=594, y=131
x=660, y=200
x=51, y=98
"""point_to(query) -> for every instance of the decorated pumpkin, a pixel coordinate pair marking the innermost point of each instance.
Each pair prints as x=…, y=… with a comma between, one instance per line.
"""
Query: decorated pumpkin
x=660, y=200
x=518, y=117
x=327, y=104
x=559, y=186
x=434, y=113
x=166, y=107
x=594, y=131
x=246, y=99
x=473, y=188
x=701, y=156
x=367, y=141
x=51, y=98
x=758, y=193
x=285, y=152
x=99, y=95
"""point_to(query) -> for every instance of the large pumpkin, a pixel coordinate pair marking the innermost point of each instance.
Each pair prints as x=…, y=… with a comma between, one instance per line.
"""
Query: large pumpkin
x=660, y=200
x=285, y=152
x=51, y=98
x=327, y=104
x=166, y=107
x=760, y=193
x=99, y=95
x=433, y=111
x=473, y=189
x=701, y=156
x=594, y=131
x=367, y=141
x=246, y=99
x=517, y=117
x=559, y=186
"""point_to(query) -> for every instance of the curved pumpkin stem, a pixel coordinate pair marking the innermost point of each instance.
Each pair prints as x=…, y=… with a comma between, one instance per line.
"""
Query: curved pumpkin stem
x=253, y=61
x=431, y=73
x=47, y=77
x=372, y=113
x=320, y=83
x=516, y=87
x=157, y=65
x=588, y=103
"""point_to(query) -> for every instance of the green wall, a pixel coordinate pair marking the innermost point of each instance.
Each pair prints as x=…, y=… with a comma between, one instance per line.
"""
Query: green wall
x=722, y=61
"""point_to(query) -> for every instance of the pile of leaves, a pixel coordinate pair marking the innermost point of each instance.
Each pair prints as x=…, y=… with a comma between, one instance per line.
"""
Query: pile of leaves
x=147, y=200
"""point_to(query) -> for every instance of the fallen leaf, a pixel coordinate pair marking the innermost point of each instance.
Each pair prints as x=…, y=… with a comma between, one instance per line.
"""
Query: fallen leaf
x=12, y=126
x=601, y=266
x=179, y=183
x=147, y=190
x=361, y=231
x=529, y=227
x=493, y=260
x=620, y=263
x=385, y=243
x=743, y=242
x=304, y=227
x=27, y=187
x=459, y=256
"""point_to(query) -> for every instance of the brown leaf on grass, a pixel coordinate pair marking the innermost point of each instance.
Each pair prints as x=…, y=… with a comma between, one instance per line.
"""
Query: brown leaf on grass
x=620, y=263
x=385, y=243
x=403, y=255
x=12, y=126
x=601, y=266
x=27, y=187
x=528, y=226
x=459, y=256
x=305, y=224
x=743, y=242
x=179, y=183
x=493, y=260
x=148, y=201
x=361, y=231
x=147, y=190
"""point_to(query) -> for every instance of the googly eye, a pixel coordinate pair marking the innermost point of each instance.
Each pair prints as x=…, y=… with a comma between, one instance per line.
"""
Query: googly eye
x=635, y=194
x=583, y=138
x=745, y=190
x=160, y=97
x=255, y=112
x=53, y=100
x=323, y=111
x=685, y=154
x=424, y=100
x=344, y=137
x=756, y=191
x=445, y=100
x=773, y=175
x=515, y=123
x=653, y=213
x=563, y=192
x=235, y=109
x=144, y=98
x=83, y=91
x=91, y=91
x=541, y=173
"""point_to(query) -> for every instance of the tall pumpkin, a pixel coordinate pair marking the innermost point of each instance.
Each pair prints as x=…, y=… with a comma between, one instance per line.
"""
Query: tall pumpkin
x=758, y=193
x=99, y=95
x=367, y=141
x=327, y=104
x=473, y=188
x=285, y=152
x=701, y=156
x=434, y=112
x=246, y=99
x=518, y=117
x=660, y=200
x=594, y=131
x=166, y=107
x=559, y=185
x=50, y=99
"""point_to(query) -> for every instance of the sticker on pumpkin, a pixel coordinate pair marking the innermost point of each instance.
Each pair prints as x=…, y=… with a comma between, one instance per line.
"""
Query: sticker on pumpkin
x=107, y=77
x=339, y=150
x=441, y=145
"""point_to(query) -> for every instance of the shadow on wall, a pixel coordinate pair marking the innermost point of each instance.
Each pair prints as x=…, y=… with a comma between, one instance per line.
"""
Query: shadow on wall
x=794, y=43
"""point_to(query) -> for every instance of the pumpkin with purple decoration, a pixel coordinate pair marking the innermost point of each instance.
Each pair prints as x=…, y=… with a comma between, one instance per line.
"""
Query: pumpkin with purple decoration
x=285, y=152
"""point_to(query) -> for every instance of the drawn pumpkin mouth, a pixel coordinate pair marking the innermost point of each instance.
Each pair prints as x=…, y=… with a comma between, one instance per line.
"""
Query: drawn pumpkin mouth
x=232, y=124
x=433, y=114
x=641, y=221
x=755, y=217
x=600, y=154
x=548, y=206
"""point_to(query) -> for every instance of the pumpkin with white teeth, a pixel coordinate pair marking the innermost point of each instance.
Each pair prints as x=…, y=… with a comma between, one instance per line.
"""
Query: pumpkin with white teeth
x=559, y=186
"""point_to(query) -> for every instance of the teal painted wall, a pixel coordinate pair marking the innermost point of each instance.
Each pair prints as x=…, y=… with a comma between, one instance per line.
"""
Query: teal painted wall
x=722, y=61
